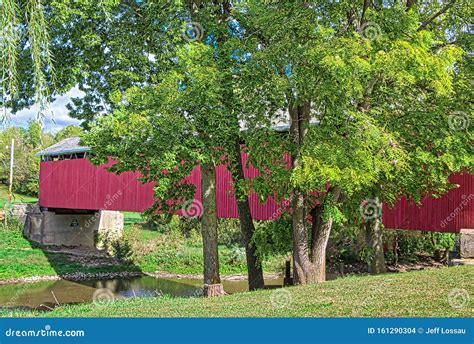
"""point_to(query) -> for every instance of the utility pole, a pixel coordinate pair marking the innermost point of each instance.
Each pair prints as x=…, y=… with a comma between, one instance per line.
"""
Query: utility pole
x=10, y=187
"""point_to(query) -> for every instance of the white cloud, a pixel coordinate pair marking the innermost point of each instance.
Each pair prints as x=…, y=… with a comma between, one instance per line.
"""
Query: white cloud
x=57, y=116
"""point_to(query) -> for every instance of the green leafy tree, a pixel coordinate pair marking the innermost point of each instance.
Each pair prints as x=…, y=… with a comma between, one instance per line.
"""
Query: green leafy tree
x=34, y=134
x=26, y=164
x=369, y=89
x=150, y=59
x=350, y=74
x=67, y=132
x=181, y=125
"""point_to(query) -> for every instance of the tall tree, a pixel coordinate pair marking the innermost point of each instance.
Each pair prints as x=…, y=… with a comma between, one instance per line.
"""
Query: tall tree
x=114, y=67
x=165, y=131
x=349, y=67
x=424, y=118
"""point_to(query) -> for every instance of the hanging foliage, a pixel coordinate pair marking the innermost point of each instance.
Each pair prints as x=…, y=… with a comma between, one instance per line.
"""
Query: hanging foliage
x=18, y=23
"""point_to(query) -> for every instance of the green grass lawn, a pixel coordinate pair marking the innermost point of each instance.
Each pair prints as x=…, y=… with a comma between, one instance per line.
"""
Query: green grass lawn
x=17, y=198
x=411, y=294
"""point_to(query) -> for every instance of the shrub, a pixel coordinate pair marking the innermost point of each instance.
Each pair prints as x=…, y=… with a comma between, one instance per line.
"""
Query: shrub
x=273, y=237
x=230, y=234
x=187, y=226
x=347, y=245
x=125, y=248
x=122, y=249
x=236, y=255
x=408, y=246
x=13, y=223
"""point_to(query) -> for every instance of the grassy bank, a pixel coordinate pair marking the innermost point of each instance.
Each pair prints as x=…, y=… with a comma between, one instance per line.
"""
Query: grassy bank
x=18, y=259
x=17, y=198
x=154, y=250
x=166, y=249
x=412, y=294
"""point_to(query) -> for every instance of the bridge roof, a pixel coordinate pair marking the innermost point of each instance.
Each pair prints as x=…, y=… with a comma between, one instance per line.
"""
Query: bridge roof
x=66, y=146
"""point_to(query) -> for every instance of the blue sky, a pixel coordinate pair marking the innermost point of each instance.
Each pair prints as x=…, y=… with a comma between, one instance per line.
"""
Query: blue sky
x=57, y=117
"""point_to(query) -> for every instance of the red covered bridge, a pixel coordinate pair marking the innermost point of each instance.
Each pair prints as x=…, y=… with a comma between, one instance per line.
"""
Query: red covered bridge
x=69, y=181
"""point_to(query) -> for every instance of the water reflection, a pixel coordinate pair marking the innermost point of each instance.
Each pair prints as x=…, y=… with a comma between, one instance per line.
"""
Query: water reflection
x=47, y=295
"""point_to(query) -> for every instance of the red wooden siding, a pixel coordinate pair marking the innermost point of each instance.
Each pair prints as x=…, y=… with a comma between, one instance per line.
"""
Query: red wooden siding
x=450, y=213
x=77, y=184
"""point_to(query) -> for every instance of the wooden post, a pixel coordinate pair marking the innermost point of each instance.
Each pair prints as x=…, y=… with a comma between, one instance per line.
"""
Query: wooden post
x=10, y=187
x=287, y=281
x=5, y=215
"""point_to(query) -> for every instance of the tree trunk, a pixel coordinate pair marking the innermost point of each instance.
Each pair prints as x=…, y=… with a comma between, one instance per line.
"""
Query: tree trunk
x=212, y=280
x=374, y=240
x=321, y=230
x=254, y=266
x=318, y=254
x=316, y=219
x=303, y=269
x=307, y=269
x=410, y=4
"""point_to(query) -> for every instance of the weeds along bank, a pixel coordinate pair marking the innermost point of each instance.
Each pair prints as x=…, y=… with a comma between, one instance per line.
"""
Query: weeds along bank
x=172, y=248
x=176, y=247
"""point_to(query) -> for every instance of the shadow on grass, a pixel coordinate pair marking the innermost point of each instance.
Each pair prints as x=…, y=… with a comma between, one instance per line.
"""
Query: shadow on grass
x=72, y=263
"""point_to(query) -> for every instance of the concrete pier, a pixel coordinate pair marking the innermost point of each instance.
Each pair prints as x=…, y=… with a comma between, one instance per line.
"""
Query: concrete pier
x=73, y=229
x=466, y=247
